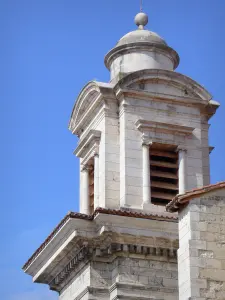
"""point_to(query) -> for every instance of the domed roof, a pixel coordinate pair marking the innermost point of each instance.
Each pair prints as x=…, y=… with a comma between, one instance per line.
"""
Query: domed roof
x=141, y=35
x=138, y=50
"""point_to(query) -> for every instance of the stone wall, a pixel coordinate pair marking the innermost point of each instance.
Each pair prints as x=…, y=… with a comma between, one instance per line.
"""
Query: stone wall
x=120, y=149
x=77, y=285
x=128, y=277
x=109, y=159
x=131, y=62
x=201, y=254
x=131, y=170
x=147, y=278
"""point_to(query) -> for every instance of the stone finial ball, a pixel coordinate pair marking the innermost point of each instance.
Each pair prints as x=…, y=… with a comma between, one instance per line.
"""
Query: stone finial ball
x=141, y=19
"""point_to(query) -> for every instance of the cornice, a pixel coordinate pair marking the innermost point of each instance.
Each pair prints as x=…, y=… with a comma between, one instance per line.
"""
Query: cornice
x=92, y=138
x=210, y=109
x=108, y=250
x=92, y=95
x=89, y=218
x=167, y=75
x=76, y=128
x=53, y=234
x=120, y=287
x=141, y=46
x=69, y=268
x=146, y=95
x=175, y=129
x=206, y=108
x=91, y=152
x=93, y=290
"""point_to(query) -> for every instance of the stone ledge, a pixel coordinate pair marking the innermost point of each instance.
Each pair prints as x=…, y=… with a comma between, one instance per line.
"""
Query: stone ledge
x=120, y=291
x=90, y=290
x=99, y=210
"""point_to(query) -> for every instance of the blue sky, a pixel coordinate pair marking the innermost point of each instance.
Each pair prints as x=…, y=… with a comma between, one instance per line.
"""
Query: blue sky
x=49, y=50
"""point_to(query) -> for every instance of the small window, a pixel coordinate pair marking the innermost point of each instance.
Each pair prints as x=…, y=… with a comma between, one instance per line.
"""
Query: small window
x=91, y=189
x=164, y=173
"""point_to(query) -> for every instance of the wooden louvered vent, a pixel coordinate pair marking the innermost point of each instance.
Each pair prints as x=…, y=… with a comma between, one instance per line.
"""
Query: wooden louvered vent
x=164, y=174
x=91, y=189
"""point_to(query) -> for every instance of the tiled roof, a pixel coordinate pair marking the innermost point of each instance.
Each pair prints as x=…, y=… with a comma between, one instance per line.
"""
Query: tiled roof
x=73, y=215
x=182, y=199
x=53, y=233
x=134, y=214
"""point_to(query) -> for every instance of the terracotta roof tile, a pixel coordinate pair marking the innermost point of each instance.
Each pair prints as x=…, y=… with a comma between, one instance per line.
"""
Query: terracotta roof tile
x=182, y=199
x=134, y=214
x=53, y=233
x=73, y=215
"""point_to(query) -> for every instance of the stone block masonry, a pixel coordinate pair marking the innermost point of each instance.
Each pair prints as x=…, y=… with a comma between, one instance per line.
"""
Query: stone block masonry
x=201, y=254
x=126, y=277
x=123, y=243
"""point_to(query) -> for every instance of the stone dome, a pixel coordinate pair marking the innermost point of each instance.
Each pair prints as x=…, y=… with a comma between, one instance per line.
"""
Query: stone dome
x=141, y=35
x=139, y=50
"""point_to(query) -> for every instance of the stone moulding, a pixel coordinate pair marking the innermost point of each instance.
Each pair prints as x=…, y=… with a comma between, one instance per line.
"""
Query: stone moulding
x=159, y=97
x=92, y=290
x=89, y=98
x=122, y=286
x=93, y=137
x=99, y=210
x=168, y=76
x=53, y=234
x=142, y=46
x=115, y=249
x=82, y=253
x=146, y=126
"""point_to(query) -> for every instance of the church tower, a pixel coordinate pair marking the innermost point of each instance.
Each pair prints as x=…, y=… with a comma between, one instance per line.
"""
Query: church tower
x=144, y=135
x=143, y=142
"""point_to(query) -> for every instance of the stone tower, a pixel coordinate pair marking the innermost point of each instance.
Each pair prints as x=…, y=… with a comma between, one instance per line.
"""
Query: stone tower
x=143, y=143
x=147, y=115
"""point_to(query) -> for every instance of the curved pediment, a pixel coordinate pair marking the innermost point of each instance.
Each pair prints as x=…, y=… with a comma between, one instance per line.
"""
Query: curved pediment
x=164, y=82
x=86, y=100
x=88, y=94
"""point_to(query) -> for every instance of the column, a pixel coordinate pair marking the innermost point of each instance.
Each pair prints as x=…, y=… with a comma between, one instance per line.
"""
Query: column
x=182, y=170
x=96, y=180
x=85, y=187
x=146, y=174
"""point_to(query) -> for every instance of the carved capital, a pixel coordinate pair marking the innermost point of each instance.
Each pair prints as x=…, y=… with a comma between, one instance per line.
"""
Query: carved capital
x=181, y=149
x=85, y=168
x=146, y=141
x=96, y=152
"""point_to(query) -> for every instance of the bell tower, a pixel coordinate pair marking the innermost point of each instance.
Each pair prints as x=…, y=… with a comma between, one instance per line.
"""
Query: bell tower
x=144, y=135
x=143, y=141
